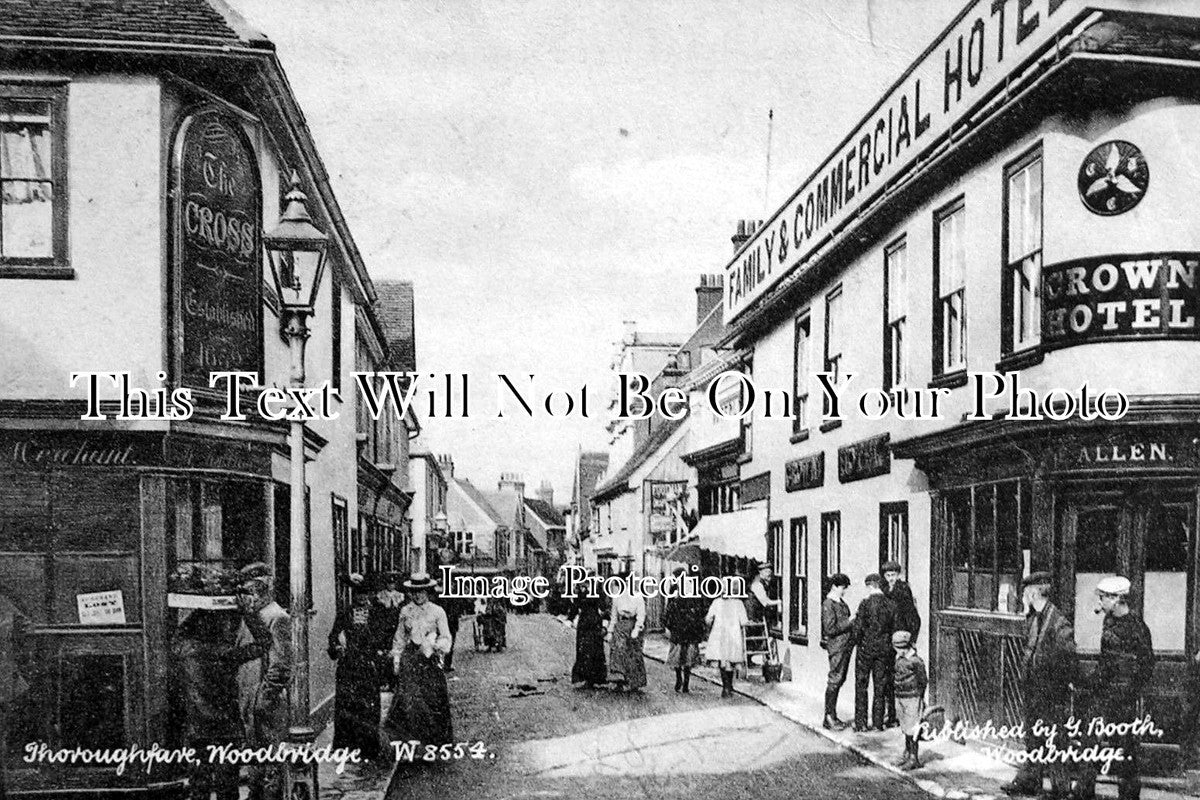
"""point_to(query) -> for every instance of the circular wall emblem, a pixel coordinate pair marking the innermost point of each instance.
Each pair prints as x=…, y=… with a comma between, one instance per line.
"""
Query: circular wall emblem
x=1113, y=178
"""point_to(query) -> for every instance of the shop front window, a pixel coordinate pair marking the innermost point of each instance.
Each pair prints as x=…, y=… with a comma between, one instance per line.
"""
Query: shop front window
x=988, y=531
x=1168, y=529
x=67, y=533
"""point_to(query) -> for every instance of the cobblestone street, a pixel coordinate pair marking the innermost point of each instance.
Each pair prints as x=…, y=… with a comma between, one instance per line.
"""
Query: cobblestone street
x=548, y=740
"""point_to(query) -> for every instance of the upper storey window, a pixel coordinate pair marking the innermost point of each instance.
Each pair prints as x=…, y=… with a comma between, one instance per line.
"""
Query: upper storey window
x=950, y=281
x=1023, y=253
x=33, y=205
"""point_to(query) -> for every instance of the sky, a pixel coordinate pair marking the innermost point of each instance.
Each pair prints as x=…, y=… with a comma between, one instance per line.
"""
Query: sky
x=544, y=171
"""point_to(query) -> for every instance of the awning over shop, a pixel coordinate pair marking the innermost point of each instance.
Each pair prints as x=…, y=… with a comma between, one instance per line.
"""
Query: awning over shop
x=741, y=534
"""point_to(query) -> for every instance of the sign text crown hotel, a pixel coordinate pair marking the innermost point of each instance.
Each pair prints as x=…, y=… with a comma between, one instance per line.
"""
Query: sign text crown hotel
x=989, y=41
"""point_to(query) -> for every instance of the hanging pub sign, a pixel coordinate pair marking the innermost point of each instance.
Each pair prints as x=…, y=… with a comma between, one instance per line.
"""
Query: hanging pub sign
x=1105, y=298
x=216, y=255
x=666, y=503
x=805, y=473
x=865, y=459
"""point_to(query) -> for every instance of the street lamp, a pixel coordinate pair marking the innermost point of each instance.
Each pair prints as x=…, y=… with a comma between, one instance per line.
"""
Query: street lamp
x=296, y=250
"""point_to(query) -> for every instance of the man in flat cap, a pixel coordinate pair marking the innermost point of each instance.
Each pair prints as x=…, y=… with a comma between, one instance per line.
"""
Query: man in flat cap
x=900, y=595
x=267, y=721
x=1125, y=667
x=1047, y=670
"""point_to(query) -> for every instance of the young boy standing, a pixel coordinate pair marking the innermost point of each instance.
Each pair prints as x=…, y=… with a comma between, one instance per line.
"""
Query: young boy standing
x=909, y=682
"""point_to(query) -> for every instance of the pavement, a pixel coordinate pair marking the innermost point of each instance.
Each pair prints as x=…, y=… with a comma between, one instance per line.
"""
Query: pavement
x=952, y=770
x=555, y=742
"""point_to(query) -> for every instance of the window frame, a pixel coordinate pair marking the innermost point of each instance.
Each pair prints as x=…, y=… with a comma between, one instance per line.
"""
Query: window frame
x=798, y=580
x=800, y=377
x=831, y=521
x=887, y=512
x=58, y=264
x=896, y=363
x=945, y=374
x=1009, y=347
x=994, y=568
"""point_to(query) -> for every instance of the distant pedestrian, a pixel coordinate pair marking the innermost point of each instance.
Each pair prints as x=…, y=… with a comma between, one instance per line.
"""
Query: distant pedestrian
x=874, y=624
x=268, y=707
x=356, y=703
x=911, y=681
x=626, y=664
x=725, y=646
x=1124, y=669
x=684, y=619
x=907, y=618
x=421, y=706
x=837, y=639
x=494, y=621
x=588, y=613
x=1048, y=668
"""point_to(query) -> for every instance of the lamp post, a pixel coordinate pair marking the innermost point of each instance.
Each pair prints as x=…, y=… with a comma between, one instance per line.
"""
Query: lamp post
x=296, y=250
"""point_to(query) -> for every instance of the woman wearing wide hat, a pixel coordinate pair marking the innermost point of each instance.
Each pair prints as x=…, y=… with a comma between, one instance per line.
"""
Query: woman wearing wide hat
x=421, y=707
x=352, y=645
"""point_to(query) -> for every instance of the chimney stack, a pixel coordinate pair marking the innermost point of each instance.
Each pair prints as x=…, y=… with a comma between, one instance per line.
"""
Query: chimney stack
x=745, y=231
x=708, y=295
x=446, y=464
x=545, y=493
x=512, y=480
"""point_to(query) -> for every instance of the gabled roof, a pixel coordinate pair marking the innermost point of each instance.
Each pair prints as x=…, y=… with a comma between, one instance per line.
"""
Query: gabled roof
x=619, y=482
x=546, y=513
x=394, y=307
x=166, y=21
x=476, y=497
x=507, y=505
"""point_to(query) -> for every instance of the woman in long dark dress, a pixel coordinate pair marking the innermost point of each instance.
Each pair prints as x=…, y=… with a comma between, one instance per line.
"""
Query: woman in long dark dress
x=356, y=704
x=588, y=613
x=385, y=616
x=421, y=707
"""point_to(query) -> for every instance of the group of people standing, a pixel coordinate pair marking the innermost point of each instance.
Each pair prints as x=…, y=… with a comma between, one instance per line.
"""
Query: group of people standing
x=402, y=641
x=1053, y=688
x=690, y=621
x=888, y=609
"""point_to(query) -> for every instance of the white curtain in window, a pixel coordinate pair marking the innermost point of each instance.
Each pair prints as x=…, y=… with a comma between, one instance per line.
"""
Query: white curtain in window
x=951, y=254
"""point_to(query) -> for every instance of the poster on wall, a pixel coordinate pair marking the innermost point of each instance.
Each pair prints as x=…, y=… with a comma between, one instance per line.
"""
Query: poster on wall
x=217, y=257
x=101, y=608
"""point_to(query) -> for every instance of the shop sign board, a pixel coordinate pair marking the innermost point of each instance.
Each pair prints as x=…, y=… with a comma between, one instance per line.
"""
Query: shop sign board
x=101, y=608
x=807, y=472
x=217, y=253
x=963, y=68
x=1120, y=297
x=1128, y=451
x=865, y=459
x=754, y=489
x=68, y=450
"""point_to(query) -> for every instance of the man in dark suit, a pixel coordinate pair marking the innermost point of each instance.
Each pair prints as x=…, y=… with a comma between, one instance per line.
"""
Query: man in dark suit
x=837, y=638
x=900, y=595
x=1048, y=668
x=13, y=628
x=874, y=624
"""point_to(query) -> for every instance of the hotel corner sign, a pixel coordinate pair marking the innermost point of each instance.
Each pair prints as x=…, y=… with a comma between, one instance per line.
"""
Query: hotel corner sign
x=1105, y=298
x=216, y=256
x=965, y=66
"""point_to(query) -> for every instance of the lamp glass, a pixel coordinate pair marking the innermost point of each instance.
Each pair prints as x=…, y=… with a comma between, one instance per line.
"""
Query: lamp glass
x=297, y=272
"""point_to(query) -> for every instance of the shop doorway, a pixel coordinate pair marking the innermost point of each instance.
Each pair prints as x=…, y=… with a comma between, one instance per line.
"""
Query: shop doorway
x=1147, y=534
